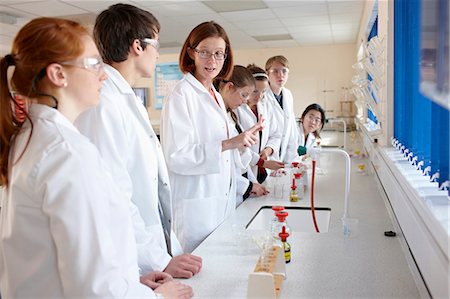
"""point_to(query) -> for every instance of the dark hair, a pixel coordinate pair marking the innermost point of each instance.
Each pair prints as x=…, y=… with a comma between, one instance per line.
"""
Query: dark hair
x=279, y=58
x=117, y=27
x=40, y=42
x=316, y=107
x=257, y=72
x=240, y=77
x=197, y=35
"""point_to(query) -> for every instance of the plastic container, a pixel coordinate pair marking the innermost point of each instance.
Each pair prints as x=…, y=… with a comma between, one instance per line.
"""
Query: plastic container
x=278, y=226
x=300, y=183
x=274, y=220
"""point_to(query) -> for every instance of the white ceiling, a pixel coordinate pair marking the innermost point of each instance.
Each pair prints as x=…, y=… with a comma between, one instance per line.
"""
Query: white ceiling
x=249, y=24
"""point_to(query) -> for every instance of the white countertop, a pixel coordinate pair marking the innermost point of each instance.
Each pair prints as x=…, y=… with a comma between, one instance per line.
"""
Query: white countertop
x=325, y=265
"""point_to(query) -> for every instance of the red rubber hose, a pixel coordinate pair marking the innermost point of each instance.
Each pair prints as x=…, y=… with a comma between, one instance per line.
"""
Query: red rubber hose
x=312, y=195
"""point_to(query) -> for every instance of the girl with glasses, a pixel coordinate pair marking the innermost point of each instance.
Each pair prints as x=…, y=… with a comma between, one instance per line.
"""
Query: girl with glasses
x=197, y=138
x=311, y=123
x=65, y=229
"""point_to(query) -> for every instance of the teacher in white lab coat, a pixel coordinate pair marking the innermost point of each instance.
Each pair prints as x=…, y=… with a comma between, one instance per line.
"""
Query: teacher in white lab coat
x=65, y=230
x=196, y=137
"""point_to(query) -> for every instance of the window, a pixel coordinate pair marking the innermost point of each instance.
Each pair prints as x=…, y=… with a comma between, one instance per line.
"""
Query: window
x=420, y=122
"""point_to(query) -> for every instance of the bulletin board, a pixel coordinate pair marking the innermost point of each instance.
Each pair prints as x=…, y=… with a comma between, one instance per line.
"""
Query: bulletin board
x=166, y=76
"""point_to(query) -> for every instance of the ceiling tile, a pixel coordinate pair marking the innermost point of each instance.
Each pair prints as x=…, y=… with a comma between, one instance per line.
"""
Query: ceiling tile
x=345, y=18
x=293, y=3
x=309, y=28
x=48, y=8
x=16, y=12
x=349, y=6
x=305, y=21
x=94, y=6
x=266, y=31
x=227, y=6
x=249, y=15
x=260, y=24
x=344, y=27
x=301, y=11
x=280, y=44
x=9, y=30
x=185, y=9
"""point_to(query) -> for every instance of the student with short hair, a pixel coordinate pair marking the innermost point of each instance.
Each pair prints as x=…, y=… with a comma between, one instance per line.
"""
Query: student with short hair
x=277, y=68
x=119, y=126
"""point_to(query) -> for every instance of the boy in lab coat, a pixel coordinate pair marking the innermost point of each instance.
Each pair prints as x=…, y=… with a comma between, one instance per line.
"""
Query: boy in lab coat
x=127, y=38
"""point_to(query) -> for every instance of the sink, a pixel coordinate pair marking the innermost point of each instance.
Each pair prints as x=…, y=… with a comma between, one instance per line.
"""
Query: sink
x=299, y=219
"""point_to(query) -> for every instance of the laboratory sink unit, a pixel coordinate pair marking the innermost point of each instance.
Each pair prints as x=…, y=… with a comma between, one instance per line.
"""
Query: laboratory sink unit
x=298, y=220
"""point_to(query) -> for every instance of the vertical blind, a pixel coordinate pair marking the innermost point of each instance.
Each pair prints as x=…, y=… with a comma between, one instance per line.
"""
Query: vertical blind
x=420, y=124
x=373, y=33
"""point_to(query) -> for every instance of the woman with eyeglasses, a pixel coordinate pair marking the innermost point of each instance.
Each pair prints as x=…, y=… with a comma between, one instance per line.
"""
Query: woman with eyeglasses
x=65, y=230
x=264, y=151
x=282, y=106
x=236, y=91
x=197, y=137
x=312, y=122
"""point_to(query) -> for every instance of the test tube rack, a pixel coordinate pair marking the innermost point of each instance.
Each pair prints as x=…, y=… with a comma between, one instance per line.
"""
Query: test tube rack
x=270, y=271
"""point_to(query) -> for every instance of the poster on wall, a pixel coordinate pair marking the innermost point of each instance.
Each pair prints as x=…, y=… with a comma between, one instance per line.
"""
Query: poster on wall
x=166, y=76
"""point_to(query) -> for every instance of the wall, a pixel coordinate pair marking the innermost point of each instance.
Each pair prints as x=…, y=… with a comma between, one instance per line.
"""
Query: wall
x=312, y=70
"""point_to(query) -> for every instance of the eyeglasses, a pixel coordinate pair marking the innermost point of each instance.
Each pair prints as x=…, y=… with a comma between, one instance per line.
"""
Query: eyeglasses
x=315, y=120
x=152, y=42
x=89, y=63
x=260, y=92
x=244, y=95
x=283, y=71
x=219, y=55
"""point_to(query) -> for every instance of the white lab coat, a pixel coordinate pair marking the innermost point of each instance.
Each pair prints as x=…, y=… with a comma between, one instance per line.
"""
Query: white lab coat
x=193, y=127
x=120, y=128
x=65, y=231
x=310, y=140
x=270, y=137
x=242, y=165
x=286, y=125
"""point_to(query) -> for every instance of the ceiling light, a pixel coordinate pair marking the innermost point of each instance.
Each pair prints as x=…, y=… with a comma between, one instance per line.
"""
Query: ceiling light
x=7, y=18
x=228, y=6
x=265, y=38
x=171, y=45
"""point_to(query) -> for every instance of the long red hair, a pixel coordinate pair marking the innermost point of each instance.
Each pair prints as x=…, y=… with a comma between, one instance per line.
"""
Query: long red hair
x=39, y=43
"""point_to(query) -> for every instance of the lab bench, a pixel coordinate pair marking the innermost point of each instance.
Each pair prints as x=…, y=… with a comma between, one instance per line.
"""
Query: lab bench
x=366, y=264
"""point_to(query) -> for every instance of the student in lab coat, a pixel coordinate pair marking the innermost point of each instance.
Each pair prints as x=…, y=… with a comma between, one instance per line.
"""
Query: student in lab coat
x=119, y=126
x=311, y=123
x=282, y=107
x=65, y=230
x=196, y=137
x=235, y=92
x=264, y=151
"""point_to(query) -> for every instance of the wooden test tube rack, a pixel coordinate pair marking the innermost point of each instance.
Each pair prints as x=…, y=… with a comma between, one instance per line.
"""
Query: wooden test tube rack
x=265, y=281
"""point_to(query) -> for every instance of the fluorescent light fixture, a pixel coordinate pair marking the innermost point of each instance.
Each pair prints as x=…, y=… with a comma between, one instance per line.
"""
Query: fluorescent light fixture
x=228, y=6
x=170, y=45
x=7, y=18
x=265, y=38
